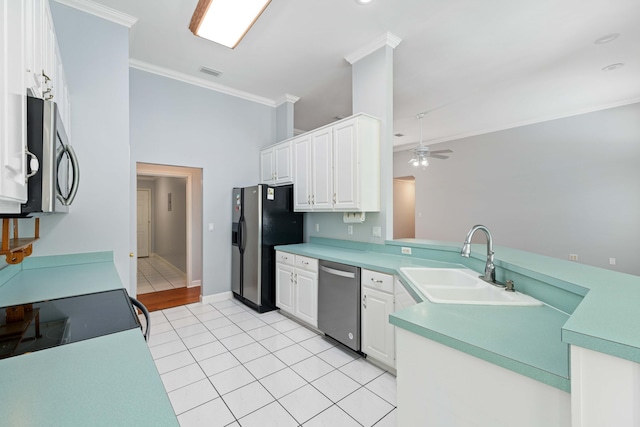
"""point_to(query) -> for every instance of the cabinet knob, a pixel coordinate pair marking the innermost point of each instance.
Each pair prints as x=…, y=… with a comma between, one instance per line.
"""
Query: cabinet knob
x=376, y=280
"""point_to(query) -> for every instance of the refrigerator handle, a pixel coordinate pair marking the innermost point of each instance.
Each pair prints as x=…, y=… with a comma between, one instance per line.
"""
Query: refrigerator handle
x=241, y=238
x=240, y=245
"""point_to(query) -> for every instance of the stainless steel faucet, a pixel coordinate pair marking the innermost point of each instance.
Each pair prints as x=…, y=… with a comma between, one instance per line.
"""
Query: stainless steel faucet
x=489, y=268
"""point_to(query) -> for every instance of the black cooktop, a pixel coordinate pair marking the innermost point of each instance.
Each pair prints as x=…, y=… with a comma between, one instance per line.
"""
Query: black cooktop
x=45, y=324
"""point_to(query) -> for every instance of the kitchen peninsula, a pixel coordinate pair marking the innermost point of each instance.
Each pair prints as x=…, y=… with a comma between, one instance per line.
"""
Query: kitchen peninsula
x=585, y=319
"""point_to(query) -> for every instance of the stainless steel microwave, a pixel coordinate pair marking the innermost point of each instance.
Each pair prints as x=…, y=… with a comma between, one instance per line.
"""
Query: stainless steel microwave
x=54, y=178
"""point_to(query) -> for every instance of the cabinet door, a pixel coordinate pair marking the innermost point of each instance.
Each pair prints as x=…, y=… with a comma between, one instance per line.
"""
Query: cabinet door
x=283, y=170
x=33, y=47
x=322, y=176
x=267, y=172
x=13, y=107
x=306, y=305
x=284, y=288
x=302, y=174
x=345, y=165
x=378, y=335
x=48, y=54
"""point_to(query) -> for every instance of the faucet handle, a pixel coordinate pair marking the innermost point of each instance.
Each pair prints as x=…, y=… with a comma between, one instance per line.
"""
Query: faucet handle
x=509, y=287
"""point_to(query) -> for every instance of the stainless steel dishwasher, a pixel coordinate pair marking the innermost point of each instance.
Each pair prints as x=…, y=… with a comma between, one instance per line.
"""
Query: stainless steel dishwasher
x=339, y=303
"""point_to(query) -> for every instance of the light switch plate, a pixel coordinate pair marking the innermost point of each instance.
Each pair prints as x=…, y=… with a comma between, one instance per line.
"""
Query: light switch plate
x=376, y=231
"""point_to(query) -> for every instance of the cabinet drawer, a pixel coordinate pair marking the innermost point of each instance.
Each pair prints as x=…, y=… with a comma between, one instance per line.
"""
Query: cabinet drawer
x=285, y=258
x=306, y=263
x=375, y=280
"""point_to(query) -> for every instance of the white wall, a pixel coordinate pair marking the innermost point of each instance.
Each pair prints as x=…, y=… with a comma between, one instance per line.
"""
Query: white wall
x=174, y=123
x=95, y=54
x=564, y=186
x=171, y=225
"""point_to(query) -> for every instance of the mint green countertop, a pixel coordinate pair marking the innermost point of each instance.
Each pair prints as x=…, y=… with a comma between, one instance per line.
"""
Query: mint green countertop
x=597, y=307
x=104, y=381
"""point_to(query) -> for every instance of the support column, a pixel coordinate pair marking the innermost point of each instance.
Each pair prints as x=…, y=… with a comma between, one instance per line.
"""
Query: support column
x=284, y=117
x=372, y=89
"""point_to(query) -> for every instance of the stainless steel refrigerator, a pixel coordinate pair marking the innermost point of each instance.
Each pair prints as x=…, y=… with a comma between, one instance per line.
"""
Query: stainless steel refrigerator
x=262, y=218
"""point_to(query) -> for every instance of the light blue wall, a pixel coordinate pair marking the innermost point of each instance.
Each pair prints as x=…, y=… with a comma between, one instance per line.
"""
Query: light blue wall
x=174, y=123
x=95, y=54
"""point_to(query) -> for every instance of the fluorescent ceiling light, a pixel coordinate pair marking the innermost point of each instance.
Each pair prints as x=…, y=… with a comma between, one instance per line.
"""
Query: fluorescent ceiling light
x=226, y=21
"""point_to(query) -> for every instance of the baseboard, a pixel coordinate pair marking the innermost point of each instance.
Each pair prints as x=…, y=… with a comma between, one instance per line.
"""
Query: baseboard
x=195, y=283
x=210, y=299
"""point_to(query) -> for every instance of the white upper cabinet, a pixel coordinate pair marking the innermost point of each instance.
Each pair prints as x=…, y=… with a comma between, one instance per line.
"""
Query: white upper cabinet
x=276, y=165
x=321, y=169
x=302, y=173
x=13, y=109
x=45, y=74
x=339, y=167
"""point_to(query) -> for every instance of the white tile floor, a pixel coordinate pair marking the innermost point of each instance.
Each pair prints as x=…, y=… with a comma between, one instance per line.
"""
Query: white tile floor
x=224, y=364
x=156, y=274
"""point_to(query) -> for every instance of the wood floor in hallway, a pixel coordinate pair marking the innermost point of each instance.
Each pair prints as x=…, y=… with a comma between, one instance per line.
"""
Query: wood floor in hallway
x=171, y=298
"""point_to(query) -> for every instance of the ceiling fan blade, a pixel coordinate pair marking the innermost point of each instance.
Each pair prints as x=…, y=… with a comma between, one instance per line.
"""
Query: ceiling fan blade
x=441, y=151
x=438, y=156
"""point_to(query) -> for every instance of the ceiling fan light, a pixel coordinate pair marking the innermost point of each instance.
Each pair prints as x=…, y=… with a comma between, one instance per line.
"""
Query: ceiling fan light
x=416, y=162
x=424, y=162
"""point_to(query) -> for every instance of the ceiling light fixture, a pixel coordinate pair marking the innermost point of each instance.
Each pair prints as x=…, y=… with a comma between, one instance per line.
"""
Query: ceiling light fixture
x=226, y=21
x=421, y=152
x=363, y=1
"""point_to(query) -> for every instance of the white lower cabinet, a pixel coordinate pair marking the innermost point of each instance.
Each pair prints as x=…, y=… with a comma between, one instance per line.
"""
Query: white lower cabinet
x=378, y=302
x=297, y=286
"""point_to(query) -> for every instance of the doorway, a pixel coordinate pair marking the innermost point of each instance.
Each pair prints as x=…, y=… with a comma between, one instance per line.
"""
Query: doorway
x=404, y=207
x=169, y=235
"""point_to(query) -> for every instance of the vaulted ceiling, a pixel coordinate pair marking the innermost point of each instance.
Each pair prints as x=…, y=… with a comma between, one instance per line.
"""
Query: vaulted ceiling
x=473, y=66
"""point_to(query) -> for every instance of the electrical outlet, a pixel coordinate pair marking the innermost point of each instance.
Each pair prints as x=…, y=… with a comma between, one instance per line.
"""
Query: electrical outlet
x=349, y=229
x=376, y=231
x=210, y=226
x=612, y=261
x=317, y=228
x=406, y=251
x=573, y=257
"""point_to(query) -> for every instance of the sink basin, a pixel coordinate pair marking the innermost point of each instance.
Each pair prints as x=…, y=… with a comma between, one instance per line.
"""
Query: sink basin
x=458, y=277
x=462, y=286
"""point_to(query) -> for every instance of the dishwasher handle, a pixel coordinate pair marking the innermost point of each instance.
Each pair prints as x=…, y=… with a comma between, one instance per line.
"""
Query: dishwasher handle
x=340, y=273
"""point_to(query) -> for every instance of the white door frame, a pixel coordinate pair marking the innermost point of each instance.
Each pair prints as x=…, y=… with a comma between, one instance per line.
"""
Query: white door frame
x=149, y=219
x=175, y=172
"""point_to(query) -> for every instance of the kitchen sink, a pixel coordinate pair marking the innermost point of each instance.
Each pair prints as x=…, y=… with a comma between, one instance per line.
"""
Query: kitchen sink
x=462, y=286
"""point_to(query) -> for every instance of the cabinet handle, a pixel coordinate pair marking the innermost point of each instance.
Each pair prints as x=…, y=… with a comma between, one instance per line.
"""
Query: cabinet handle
x=313, y=200
x=376, y=280
x=305, y=262
x=46, y=78
x=295, y=280
x=334, y=198
x=309, y=199
x=49, y=98
x=364, y=301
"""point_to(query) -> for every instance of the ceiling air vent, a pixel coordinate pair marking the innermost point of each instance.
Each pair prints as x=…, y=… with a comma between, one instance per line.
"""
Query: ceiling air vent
x=210, y=71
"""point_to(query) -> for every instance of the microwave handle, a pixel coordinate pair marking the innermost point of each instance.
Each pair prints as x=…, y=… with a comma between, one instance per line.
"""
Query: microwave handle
x=76, y=176
x=34, y=165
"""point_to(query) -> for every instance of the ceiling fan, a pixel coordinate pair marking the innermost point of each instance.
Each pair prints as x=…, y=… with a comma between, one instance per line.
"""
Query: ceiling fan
x=422, y=152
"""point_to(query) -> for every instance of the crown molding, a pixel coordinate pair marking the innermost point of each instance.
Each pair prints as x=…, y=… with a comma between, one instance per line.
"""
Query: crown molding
x=101, y=11
x=387, y=39
x=601, y=107
x=186, y=78
x=287, y=98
